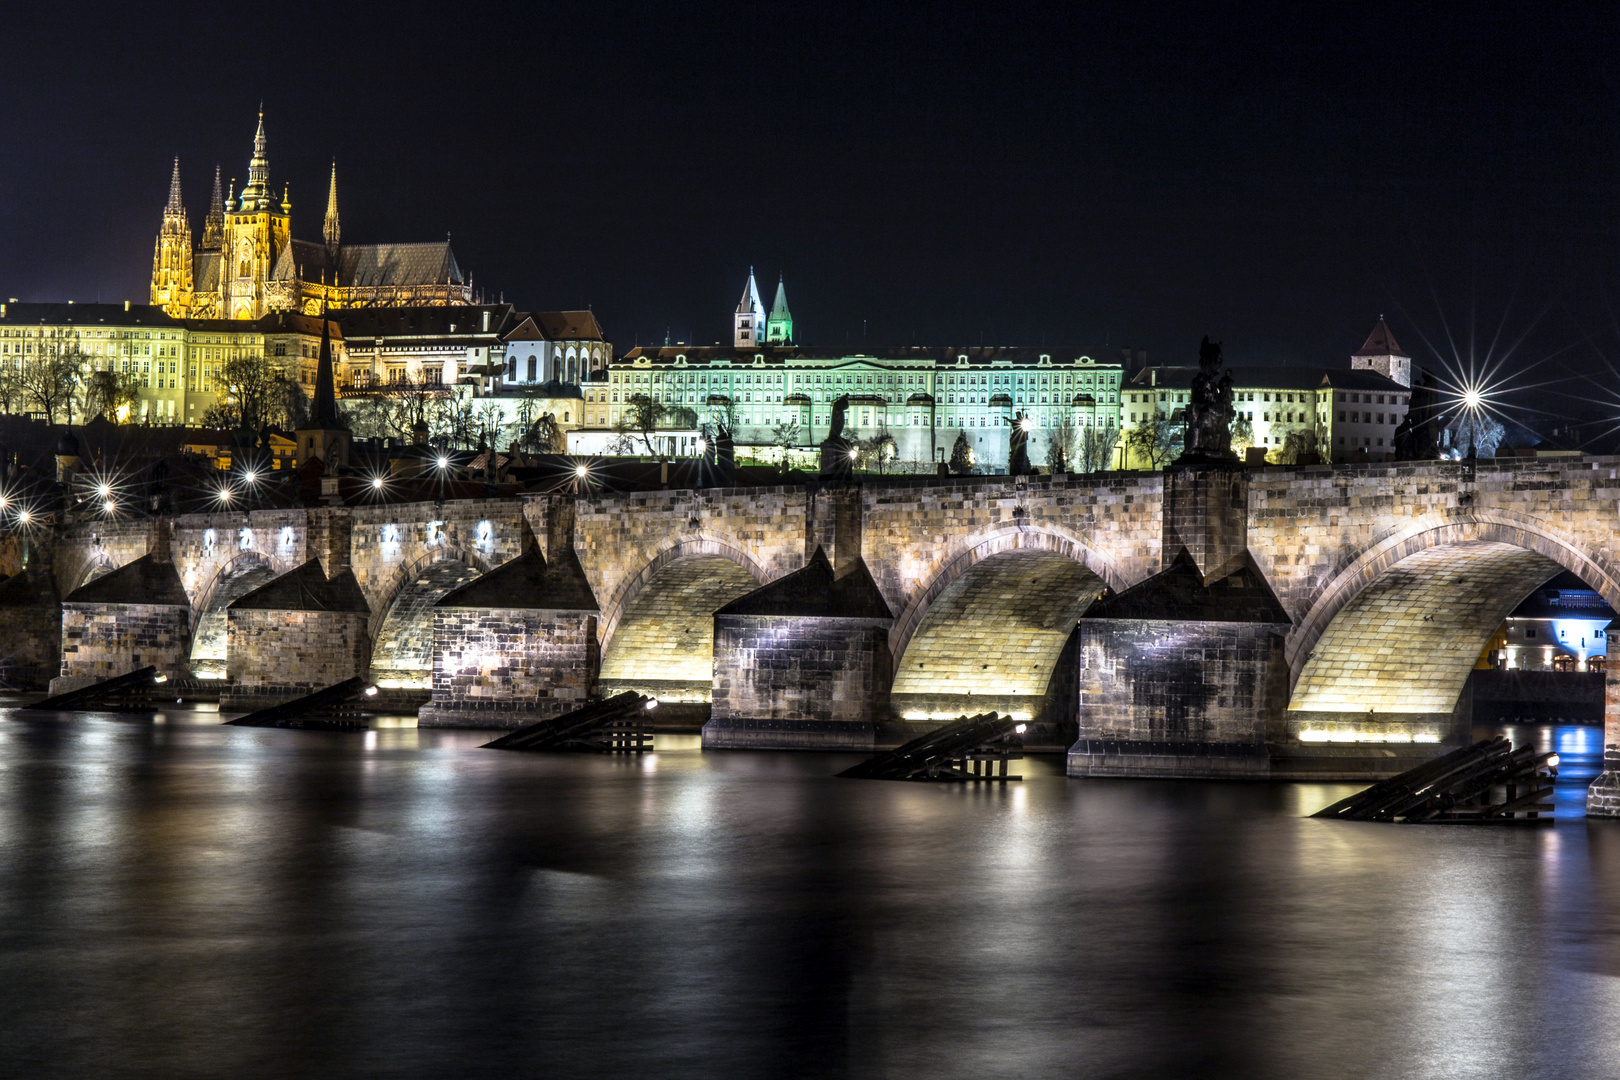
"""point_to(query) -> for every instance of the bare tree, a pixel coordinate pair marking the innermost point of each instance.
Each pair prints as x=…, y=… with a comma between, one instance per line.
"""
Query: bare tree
x=785, y=436
x=1097, y=447
x=258, y=393
x=49, y=379
x=1061, y=443
x=105, y=393
x=1158, y=440
x=644, y=414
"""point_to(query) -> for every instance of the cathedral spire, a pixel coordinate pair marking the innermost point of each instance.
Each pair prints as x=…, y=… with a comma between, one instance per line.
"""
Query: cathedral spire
x=175, y=205
x=330, y=230
x=214, y=223
x=256, y=195
x=748, y=324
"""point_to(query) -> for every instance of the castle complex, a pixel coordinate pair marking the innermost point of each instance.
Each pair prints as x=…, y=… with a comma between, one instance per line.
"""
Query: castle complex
x=247, y=263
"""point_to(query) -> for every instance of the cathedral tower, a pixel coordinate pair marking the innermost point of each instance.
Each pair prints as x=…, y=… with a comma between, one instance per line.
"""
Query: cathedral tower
x=214, y=223
x=779, y=327
x=749, y=325
x=330, y=229
x=256, y=232
x=171, y=258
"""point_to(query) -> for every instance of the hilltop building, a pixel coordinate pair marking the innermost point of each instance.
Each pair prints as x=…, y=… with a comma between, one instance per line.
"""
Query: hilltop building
x=247, y=263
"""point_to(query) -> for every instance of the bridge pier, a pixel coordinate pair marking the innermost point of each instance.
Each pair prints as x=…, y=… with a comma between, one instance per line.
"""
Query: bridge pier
x=515, y=646
x=136, y=616
x=1603, y=797
x=802, y=663
x=30, y=629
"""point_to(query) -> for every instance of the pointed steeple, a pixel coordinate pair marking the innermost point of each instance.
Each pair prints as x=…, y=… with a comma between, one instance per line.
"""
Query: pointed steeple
x=214, y=223
x=175, y=205
x=330, y=229
x=779, y=327
x=749, y=322
x=256, y=195
x=326, y=415
x=1380, y=342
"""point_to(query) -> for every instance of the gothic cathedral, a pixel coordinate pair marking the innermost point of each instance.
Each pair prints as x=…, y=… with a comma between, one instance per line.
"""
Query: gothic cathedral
x=248, y=265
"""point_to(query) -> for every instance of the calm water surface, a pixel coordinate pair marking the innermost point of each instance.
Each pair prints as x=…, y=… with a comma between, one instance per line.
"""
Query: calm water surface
x=179, y=899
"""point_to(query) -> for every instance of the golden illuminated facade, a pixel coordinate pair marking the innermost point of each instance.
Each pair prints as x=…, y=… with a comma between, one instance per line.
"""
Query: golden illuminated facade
x=248, y=265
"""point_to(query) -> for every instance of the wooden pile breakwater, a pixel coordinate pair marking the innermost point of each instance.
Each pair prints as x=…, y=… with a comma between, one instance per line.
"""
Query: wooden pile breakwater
x=1489, y=783
x=970, y=749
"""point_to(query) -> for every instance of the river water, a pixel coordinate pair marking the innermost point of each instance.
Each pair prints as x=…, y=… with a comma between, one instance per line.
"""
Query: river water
x=180, y=899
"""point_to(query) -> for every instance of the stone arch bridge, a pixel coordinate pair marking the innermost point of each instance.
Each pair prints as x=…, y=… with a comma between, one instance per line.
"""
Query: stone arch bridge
x=1285, y=621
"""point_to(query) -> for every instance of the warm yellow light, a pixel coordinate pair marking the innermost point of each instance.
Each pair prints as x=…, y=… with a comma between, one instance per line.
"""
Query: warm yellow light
x=25, y=517
x=377, y=482
x=108, y=506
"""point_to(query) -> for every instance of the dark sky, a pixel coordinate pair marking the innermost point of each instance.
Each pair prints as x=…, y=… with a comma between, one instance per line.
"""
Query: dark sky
x=1071, y=174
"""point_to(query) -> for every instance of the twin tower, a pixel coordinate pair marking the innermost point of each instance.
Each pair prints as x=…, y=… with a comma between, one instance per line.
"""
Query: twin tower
x=752, y=328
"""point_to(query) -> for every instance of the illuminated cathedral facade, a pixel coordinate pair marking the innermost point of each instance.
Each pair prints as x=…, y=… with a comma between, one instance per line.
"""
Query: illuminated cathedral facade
x=247, y=263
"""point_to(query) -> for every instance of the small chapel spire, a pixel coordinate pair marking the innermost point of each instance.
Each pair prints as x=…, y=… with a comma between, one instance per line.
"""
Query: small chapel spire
x=256, y=195
x=779, y=327
x=330, y=230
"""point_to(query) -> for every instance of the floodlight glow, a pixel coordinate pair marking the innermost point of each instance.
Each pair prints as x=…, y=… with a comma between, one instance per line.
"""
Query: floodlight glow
x=371, y=691
x=377, y=482
x=1026, y=424
x=1020, y=728
x=581, y=471
x=702, y=445
x=104, y=490
x=250, y=476
x=1552, y=761
x=443, y=462
x=1472, y=398
x=853, y=453
x=25, y=516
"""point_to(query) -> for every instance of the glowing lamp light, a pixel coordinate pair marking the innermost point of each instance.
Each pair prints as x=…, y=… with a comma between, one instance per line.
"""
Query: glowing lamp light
x=581, y=471
x=371, y=691
x=24, y=516
x=4, y=502
x=653, y=704
x=1021, y=728
x=377, y=482
x=108, y=506
x=1026, y=424
x=1552, y=761
x=853, y=453
x=1473, y=399
x=702, y=446
x=104, y=490
x=443, y=462
x=251, y=477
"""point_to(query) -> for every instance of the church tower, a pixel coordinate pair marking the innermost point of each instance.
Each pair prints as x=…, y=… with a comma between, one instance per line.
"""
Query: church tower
x=330, y=229
x=1382, y=354
x=171, y=258
x=256, y=232
x=749, y=326
x=779, y=327
x=214, y=223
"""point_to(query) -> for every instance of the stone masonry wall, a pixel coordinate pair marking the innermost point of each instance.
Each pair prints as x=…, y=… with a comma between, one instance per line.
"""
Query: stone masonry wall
x=502, y=667
x=282, y=654
x=30, y=645
x=1162, y=681
x=103, y=640
x=790, y=668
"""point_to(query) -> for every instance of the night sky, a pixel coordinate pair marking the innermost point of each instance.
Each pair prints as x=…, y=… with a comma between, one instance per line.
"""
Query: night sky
x=1066, y=174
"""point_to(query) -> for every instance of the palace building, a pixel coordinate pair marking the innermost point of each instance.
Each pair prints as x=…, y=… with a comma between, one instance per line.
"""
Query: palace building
x=247, y=263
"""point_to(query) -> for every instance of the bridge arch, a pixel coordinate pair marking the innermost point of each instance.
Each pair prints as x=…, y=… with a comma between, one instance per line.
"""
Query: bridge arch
x=231, y=581
x=657, y=632
x=1398, y=630
x=990, y=628
x=401, y=626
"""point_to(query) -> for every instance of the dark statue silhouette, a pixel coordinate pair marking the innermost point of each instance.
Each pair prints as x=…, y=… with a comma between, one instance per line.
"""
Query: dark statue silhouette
x=1209, y=410
x=1018, y=447
x=836, y=461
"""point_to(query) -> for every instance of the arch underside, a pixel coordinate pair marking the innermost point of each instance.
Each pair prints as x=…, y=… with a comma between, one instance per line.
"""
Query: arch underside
x=208, y=640
x=663, y=644
x=402, y=654
x=993, y=637
x=1405, y=644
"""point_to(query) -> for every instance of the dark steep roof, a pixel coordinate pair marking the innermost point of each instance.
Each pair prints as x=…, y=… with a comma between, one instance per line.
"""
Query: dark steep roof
x=144, y=581
x=1380, y=343
x=569, y=325
x=813, y=591
x=307, y=588
x=529, y=583
x=1179, y=592
x=431, y=263
x=27, y=589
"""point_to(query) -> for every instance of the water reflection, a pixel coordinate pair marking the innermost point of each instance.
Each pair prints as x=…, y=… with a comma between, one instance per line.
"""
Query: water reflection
x=187, y=899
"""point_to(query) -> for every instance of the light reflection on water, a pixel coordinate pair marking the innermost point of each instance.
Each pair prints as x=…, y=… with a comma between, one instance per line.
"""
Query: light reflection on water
x=193, y=900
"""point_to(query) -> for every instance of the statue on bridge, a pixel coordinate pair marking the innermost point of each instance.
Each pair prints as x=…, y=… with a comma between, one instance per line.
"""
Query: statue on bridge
x=1418, y=437
x=1209, y=412
x=1018, y=446
x=837, y=459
